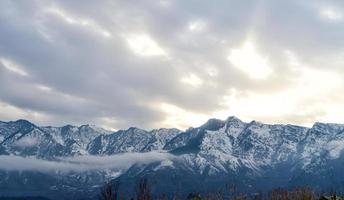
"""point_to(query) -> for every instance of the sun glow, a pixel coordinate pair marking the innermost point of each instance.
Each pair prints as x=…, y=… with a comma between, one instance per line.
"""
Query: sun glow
x=249, y=61
x=331, y=14
x=196, y=26
x=295, y=104
x=180, y=118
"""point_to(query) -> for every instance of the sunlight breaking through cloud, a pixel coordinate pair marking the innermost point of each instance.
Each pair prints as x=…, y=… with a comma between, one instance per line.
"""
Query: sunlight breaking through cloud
x=177, y=117
x=331, y=14
x=87, y=23
x=248, y=60
x=196, y=26
x=105, y=63
x=13, y=67
x=192, y=80
x=143, y=45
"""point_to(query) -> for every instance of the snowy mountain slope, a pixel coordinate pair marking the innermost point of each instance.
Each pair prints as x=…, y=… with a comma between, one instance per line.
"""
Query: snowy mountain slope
x=251, y=155
x=131, y=140
x=26, y=139
x=232, y=143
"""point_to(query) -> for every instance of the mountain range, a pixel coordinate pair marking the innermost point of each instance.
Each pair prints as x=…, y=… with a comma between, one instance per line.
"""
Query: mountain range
x=73, y=162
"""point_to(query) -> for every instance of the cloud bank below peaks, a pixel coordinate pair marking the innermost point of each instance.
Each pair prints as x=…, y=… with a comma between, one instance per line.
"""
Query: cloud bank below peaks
x=118, y=162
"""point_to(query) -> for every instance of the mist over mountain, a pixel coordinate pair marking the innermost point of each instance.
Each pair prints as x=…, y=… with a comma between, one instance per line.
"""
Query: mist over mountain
x=73, y=161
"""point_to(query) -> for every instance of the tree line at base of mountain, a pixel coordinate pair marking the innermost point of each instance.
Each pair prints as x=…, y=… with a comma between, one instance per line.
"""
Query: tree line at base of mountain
x=111, y=192
x=23, y=198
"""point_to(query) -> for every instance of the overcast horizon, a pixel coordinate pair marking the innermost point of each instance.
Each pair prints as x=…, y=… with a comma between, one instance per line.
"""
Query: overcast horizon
x=165, y=63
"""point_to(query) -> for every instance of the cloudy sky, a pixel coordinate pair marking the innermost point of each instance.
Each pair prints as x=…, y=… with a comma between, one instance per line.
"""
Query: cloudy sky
x=171, y=63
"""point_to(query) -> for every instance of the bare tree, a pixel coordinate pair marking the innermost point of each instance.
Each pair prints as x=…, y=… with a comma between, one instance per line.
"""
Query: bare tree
x=110, y=192
x=144, y=192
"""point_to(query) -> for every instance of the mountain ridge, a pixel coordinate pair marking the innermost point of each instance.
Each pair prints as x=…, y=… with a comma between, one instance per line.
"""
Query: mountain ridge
x=251, y=155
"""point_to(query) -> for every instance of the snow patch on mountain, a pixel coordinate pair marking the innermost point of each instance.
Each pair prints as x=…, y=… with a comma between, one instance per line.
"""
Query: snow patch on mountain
x=27, y=141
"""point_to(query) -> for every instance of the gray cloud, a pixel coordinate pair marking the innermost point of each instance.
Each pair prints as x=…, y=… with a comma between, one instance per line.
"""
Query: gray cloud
x=118, y=162
x=80, y=68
